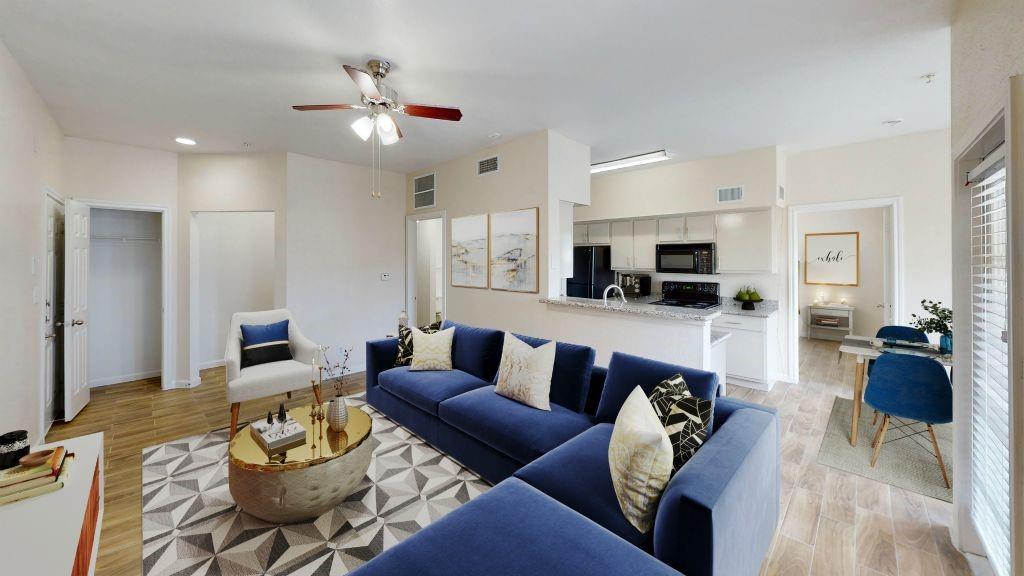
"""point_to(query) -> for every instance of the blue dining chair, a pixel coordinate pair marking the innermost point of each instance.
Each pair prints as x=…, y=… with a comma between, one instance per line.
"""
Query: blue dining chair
x=906, y=387
x=906, y=333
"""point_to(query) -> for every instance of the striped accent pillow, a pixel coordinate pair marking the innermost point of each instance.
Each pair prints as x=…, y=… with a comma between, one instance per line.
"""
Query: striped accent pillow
x=265, y=343
x=685, y=417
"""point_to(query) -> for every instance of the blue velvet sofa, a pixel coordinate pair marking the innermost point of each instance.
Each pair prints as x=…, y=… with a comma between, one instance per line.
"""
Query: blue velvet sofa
x=553, y=510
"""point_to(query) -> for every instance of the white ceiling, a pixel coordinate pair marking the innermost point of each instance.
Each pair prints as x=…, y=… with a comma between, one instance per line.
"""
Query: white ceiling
x=625, y=77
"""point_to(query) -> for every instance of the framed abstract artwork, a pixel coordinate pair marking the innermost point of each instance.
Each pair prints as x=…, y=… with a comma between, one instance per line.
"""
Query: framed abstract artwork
x=514, y=244
x=469, y=251
x=832, y=258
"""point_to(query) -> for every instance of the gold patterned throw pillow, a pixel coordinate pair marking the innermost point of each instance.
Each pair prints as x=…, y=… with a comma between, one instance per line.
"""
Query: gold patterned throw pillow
x=431, y=351
x=524, y=374
x=640, y=458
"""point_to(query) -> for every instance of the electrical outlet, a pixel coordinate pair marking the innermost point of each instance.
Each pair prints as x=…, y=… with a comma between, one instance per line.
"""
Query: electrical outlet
x=385, y=277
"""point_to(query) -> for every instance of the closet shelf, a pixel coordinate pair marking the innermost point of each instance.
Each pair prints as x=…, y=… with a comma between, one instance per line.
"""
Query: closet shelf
x=125, y=238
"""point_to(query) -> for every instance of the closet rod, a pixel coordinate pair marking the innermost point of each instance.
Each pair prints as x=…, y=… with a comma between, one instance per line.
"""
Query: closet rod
x=125, y=238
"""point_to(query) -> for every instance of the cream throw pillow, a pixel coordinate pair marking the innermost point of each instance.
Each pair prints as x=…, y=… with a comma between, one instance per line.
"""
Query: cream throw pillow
x=640, y=456
x=524, y=374
x=431, y=351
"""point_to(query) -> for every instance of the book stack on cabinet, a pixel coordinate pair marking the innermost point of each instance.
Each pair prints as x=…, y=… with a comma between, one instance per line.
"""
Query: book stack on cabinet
x=21, y=482
x=57, y=533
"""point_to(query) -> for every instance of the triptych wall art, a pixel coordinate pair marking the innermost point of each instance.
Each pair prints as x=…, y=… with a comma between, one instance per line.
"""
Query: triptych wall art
x=497, y=251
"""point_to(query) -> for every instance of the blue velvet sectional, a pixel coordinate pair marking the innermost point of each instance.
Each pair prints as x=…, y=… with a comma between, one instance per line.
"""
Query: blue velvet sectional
x=553, y=509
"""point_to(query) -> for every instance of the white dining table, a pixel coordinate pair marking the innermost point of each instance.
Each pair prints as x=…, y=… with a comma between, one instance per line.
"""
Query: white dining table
x=868, y=348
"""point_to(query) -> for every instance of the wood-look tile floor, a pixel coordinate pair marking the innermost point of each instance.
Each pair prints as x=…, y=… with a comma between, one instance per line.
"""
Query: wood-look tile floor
x=831, y=522
x=135, y=415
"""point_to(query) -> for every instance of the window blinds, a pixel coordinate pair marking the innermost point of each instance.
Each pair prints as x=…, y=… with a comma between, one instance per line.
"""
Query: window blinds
x=990, y=402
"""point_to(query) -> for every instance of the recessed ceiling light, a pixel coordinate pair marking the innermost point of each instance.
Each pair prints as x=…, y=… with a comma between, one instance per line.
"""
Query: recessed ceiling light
x=185, y=141
x=893, y=122
x=659, y=156
x=494, y=135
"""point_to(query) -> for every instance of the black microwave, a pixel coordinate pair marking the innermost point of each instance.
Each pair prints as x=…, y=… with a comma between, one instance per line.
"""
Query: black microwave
x=686, y=258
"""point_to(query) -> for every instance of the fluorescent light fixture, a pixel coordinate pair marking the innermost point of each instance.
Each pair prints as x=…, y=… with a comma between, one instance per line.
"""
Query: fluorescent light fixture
x=185, y=141
x=629, y=162
x=363, y=127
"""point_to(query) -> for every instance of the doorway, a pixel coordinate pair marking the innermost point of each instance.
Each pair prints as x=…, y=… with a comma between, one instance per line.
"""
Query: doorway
x=868, y=295
x=425, y=268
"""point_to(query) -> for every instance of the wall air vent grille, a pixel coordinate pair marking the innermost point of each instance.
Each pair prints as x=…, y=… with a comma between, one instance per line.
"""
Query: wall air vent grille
x=423, y=191
x=727, y=194
x=487, y=166
x=782, y=193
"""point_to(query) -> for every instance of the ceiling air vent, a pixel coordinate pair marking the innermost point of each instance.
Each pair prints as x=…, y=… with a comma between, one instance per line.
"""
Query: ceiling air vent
x=423, y=191
x=487, y=166
x=728, y=194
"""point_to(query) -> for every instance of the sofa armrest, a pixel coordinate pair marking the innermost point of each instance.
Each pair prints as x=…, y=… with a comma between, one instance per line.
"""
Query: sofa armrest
x=380, y=356
x=726, y=406
x=303, y=349
x=717, y=515
x=232, y=357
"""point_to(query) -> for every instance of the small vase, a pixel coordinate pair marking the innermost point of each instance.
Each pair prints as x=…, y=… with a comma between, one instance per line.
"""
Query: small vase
x=946, y=344
x=337, y=414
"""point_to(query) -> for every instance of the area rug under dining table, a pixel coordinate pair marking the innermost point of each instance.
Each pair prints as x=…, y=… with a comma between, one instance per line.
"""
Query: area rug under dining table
x=191, y=526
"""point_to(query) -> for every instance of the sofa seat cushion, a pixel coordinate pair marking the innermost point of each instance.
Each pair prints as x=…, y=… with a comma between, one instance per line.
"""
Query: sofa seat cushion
x=517, y=430
x=268, y=379
x=577, y=474
x=513, y=529
x=425, y=390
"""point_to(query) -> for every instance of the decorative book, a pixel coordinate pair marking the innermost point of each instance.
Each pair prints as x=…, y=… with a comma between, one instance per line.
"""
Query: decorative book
x=52, y=485
x=19, y=474
x=279, y=436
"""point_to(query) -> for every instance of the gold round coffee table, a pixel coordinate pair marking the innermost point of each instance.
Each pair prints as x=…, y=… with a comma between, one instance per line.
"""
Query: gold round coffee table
x=312, y=478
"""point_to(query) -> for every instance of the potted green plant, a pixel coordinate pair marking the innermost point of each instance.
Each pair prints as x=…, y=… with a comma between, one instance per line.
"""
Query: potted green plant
x=939, y=321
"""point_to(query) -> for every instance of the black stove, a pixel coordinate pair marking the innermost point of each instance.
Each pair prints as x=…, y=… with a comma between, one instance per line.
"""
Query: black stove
x=700, y=295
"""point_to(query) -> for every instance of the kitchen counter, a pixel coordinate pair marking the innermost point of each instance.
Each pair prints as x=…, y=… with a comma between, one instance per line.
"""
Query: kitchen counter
x=640, y=306
x=763, y=309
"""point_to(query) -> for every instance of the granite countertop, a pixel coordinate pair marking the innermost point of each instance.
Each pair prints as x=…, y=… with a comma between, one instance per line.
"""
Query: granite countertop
x=641, y=306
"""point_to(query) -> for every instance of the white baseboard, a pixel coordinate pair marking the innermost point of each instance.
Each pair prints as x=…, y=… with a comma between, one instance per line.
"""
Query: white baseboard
x=99, y=382
x=752, y=384
x=183, y=384
x=211, y=364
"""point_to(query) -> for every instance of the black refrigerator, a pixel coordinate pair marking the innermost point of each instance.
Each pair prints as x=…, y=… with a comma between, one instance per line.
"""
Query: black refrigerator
x=591, y=271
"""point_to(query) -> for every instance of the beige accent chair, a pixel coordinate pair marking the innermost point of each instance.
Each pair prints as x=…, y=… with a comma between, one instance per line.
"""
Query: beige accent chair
x=269, y=379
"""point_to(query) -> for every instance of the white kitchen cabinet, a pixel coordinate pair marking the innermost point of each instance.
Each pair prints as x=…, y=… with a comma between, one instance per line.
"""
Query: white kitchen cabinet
x=599, y=233
x=745, y=242
x=752, y=349
x=700, y=228
x=671, y=229
x=579, y=233
x=645, y=240
x=622, y=245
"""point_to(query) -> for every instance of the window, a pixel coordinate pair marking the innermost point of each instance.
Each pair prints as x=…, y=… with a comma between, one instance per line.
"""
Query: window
x=990, y=394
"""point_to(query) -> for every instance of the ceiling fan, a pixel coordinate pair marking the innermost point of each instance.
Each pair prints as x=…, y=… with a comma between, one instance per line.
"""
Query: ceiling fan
x=381, y=101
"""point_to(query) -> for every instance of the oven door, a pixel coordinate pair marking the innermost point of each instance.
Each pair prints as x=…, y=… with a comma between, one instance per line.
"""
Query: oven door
x=677, y=259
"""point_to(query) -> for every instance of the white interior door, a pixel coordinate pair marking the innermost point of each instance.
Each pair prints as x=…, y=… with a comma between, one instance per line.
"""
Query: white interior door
x=51, y=320
x=888, y=260
x=76, y=308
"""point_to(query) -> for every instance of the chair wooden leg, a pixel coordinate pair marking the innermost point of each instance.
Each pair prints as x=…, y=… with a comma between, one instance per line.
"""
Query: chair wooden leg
x=938, y=456
x=874, y=439
x=234, y=420
x=879, y=440
x=289, y=394
x=874, y=419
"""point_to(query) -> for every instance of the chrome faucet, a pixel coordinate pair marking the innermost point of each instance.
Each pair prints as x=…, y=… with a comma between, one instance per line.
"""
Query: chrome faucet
x=609, y=289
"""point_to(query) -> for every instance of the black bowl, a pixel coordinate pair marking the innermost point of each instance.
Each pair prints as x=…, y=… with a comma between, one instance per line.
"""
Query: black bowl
x=13, y=445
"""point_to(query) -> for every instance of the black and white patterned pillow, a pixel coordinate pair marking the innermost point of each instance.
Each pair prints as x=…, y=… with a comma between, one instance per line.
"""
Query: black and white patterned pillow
x=404, y=356
x=684, y=416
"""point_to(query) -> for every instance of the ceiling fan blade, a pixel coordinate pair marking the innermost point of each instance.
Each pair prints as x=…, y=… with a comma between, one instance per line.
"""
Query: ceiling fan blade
x=364, y=82
x=309, y=107
x=398, y=131
x=435, y=112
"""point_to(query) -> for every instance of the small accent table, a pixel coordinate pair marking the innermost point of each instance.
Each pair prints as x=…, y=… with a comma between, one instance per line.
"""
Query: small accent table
x=829, y=321
x=312, y=478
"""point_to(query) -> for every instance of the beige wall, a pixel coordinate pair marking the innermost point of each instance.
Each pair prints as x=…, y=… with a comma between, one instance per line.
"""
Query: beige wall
x=30, y=157
x=865, y=297
x=683, y=186
x=987, y=48
x=95, y=170
x=914, y=167
x=340, y=241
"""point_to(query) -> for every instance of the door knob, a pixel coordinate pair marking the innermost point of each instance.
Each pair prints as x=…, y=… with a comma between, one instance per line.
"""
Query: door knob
x=77, y=322
x=50, y=336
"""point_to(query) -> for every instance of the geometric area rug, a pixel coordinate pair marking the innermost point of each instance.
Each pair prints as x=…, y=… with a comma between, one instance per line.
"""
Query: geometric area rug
x=191, y=526
x=907, y=459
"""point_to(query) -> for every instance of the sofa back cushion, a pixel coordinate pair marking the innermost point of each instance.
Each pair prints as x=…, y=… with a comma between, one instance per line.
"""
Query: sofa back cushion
x=476, y=350
x=626, y=371
x=570, y=378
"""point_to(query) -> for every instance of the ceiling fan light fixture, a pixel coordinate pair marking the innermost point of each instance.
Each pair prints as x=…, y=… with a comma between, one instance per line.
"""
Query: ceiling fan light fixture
x=363, y=127
x=386, y=129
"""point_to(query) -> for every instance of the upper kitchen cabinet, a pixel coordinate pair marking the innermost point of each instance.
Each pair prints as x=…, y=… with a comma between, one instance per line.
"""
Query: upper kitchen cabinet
x=622, y=245
x=645, y=240
x=579, y=233
x=700, y=228
x=672, y=229
x=745, y=242
x=599, y=233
